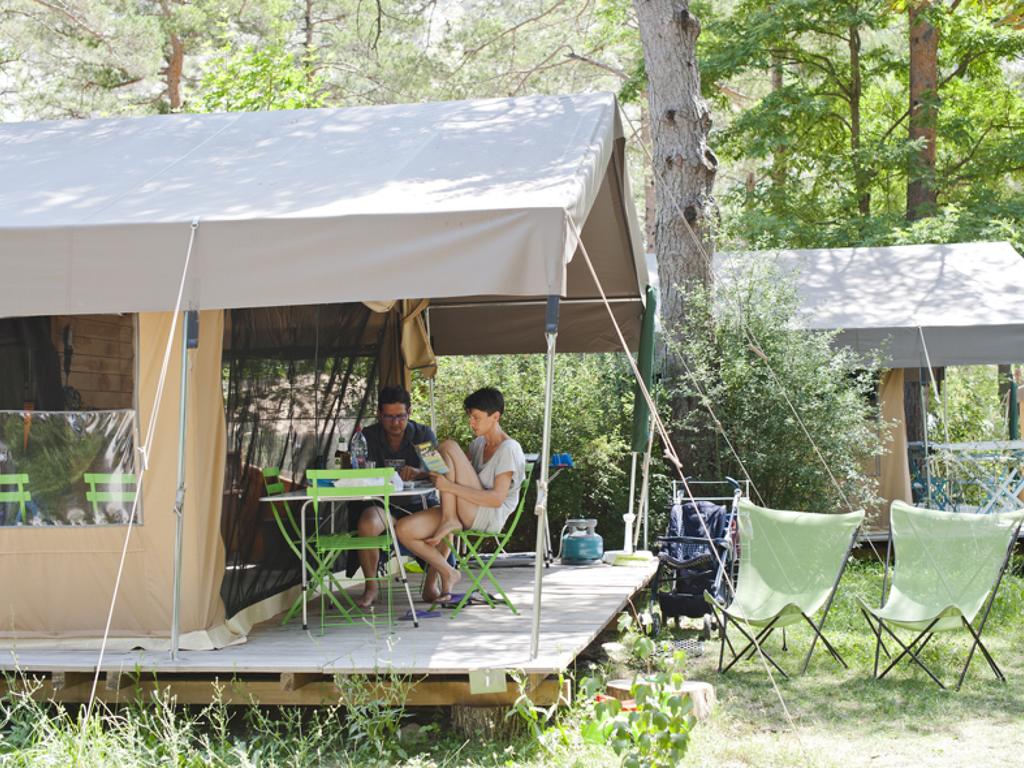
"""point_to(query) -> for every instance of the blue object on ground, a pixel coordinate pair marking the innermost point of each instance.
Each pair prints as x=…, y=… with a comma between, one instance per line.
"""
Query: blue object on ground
x=407, y=616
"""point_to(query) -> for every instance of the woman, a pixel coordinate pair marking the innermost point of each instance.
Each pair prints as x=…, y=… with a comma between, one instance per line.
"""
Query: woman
x=478, y=491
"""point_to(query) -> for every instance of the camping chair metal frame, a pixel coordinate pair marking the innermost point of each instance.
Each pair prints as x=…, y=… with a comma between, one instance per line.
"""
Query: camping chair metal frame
x=19, y=497
x=755, y=641
x=471, y=540
x=877, y=625
x=327, y=547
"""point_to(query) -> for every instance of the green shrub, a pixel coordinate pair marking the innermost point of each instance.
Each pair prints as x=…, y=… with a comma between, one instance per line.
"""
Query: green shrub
x=746, y=355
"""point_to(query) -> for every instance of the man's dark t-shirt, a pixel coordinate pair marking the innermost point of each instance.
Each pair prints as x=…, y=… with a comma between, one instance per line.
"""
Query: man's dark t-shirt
x=380, y=451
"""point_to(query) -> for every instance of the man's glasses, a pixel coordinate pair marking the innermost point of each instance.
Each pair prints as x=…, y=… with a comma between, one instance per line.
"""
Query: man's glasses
x=396, y=417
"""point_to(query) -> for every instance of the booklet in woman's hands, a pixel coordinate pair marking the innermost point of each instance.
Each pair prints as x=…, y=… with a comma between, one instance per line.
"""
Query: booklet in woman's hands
x=431, y=458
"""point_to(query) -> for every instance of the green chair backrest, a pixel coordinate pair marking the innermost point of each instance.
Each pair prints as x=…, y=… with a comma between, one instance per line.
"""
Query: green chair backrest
x=116, y=490
x=523, y=488
x=945, y=560
x=272, y=481
x=382, y=488
x=20, y=496
x=789, y=559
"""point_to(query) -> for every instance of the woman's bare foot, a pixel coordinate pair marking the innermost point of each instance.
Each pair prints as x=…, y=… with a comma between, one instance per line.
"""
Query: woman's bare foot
x=449, y=580
x=446, y=527
x=368, y=597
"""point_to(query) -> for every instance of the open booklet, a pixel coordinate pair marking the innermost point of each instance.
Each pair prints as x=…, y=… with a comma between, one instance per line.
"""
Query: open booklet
x=431, y=458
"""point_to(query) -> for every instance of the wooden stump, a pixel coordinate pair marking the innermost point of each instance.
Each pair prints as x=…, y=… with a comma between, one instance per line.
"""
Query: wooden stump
x=702, y=695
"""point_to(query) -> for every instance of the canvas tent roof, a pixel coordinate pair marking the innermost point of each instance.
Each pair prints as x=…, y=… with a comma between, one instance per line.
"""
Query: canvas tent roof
x=472, y=202
x=967, y=299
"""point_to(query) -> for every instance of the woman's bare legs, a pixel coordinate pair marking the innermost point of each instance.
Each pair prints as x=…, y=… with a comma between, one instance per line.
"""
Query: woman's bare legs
x=456, y=513
x=413, y=532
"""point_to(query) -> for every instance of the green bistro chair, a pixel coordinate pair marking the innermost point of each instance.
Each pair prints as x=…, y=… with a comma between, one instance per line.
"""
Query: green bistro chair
x=285, y=520
x=476, y=564
x=790, y=566
x=328, y=547
x=120, y=487
x=19, y=496
x=949, y=566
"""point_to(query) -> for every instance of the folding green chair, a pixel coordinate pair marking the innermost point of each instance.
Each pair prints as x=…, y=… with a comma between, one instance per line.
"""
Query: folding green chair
x=19, y=496
x=790, y=566
x=328, y=547
x=949, y=566
x=285, y=520
x=117, y=489
x=466, y=545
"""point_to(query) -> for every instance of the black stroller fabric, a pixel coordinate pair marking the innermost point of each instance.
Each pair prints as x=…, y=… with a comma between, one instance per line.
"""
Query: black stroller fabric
x=688, y=564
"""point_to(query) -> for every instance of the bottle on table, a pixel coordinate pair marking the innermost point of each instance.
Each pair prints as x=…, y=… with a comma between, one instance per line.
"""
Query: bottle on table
x=357, y=449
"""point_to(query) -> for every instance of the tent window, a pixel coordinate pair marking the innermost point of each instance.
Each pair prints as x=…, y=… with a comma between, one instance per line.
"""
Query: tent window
x=67, y=420
x=296, y=381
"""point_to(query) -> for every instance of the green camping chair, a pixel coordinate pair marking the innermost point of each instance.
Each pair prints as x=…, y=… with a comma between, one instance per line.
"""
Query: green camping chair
x=476, y=564
x=19, y=496
x=948, y=568
x=790, y=566
x=327, y=547
x=119, y=487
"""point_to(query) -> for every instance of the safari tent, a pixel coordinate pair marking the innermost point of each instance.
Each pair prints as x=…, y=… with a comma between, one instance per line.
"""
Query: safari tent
x=294, y=227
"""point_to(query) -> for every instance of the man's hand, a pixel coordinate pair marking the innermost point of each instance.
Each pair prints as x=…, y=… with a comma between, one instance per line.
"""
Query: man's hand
x=408, y=473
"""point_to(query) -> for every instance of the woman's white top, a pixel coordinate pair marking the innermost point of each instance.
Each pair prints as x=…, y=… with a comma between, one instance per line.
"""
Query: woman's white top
x=507, y=457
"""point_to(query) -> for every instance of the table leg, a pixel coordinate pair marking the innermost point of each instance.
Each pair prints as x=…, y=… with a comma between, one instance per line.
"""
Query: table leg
x=390, y=525
x=304, y=565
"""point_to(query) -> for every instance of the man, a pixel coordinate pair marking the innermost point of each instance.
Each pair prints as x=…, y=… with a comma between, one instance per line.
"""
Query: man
x=391, y=443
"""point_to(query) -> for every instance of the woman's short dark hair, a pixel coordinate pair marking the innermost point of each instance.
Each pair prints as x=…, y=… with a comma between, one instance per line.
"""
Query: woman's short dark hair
x=489, y=400
x=394, y=394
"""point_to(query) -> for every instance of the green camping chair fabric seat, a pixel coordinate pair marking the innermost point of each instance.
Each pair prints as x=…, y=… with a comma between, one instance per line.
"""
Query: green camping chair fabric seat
x=948, y=568
x=789, y=567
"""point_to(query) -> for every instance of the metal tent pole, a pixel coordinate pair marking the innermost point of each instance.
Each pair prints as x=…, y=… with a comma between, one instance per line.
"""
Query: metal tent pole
x=430, y=381
x=632, y=493
x=541, y=510
x=189, y=340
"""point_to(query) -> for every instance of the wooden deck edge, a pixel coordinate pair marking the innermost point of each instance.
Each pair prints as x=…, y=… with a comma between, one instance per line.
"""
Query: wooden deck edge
x=277, y=690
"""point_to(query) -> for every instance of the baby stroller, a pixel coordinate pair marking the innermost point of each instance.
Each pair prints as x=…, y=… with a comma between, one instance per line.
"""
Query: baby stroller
x=688, y=565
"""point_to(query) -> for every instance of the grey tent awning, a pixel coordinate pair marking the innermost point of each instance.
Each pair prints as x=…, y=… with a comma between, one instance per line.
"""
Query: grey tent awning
x=473, y=202
x=966, y=299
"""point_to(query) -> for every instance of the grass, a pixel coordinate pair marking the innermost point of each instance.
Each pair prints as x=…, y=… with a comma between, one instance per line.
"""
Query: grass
x=844, y=717
x=836, y=717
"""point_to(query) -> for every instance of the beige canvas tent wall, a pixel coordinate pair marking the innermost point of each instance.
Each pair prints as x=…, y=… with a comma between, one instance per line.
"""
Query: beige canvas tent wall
x=477, y=204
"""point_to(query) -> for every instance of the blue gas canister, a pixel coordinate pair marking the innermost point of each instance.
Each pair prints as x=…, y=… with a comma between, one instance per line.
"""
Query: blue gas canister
x=581, y=544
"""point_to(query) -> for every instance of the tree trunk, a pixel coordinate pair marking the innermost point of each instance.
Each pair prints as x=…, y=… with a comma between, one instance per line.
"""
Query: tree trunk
x=924, y=110
x=683, y=165
x=175, y=57
x=649, y=201
x=860, y=179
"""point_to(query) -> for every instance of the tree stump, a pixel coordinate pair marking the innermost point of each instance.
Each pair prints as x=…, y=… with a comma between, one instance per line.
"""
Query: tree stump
x=702, y=695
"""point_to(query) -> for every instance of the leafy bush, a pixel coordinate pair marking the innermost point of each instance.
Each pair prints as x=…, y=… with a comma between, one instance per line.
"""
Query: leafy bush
x=746, y=355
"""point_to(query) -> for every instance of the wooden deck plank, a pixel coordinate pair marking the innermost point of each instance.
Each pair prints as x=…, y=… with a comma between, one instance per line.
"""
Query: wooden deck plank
x=578, y=602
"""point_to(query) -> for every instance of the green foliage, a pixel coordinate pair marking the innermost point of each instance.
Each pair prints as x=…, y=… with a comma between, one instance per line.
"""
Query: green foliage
x=820, y=157
x=591, y=419
x=373, y=715
x=654, y=733
x=258, y=79
x=747, y=357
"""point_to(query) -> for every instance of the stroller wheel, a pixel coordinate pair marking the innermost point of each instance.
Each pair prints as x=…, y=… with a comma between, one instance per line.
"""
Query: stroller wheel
x=705, y=632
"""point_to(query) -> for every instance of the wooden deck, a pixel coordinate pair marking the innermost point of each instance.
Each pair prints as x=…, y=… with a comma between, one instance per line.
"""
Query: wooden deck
x=286, y=665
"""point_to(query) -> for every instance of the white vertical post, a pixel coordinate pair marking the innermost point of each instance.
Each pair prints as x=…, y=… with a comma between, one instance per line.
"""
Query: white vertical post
x=541, y=510
x=629, y=517
x=189, y=340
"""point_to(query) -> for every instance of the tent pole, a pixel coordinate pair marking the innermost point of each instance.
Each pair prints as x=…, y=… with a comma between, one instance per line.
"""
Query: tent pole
x=430, y=381
x=632, y=497
x=189, y=340
x=541, y=510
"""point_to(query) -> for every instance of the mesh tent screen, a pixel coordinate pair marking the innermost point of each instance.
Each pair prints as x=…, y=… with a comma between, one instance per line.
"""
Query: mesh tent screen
x=296, y=382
